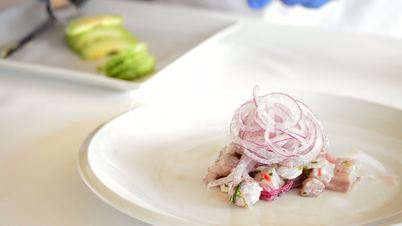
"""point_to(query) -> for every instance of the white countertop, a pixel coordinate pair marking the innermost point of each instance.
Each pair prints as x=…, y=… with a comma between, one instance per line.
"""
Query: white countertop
x=42, y=126
x=44, y=121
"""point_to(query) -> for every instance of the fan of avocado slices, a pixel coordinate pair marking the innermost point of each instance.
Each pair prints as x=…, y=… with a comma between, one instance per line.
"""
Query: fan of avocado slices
x=130, y=63
x=96, y=37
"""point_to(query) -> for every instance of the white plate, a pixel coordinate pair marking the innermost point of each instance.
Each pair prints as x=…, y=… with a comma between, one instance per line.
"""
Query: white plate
x=169, y=31
x=149, y=163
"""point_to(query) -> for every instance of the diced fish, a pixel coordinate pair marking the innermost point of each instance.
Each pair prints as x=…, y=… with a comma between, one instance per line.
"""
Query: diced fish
x=345, y=175
x=269, y=178
x=316, y=163
x=324, y=173
x=246, y=194
x=227, y=160
x=289, y=172
x=312, y=187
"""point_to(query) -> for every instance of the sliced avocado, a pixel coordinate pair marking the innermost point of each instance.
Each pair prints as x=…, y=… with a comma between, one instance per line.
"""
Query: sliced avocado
x=87, y=38
x=83, y=24
x=70, y=43
x=138, y=65
x=129, y=63
x=140, y=68
x=104, y=47
x=146, y=66
x=124, y=56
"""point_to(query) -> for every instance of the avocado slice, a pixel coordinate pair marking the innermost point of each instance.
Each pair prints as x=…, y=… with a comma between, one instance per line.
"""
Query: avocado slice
x=106, y=46
x=137, y=69
x=87, y=38
x=143, y=67
x=83, y=24
x=129, y=63
x=132, y=64
x=123, y=57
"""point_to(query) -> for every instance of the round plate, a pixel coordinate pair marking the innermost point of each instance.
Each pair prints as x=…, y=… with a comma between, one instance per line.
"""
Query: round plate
x=149, y=163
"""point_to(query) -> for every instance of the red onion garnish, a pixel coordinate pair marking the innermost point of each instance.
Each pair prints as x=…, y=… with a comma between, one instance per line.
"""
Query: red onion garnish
x=273, y=129
x=276, y=128
x=269, y=195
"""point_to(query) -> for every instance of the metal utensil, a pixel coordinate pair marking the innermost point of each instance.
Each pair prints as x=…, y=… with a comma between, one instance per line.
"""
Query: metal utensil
x=60, y=11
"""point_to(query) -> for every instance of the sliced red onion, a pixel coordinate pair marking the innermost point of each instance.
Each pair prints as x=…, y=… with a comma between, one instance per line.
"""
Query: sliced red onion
x=243, y=167
x=277, y=111
x=269, y=195
x=277, y=128
x=307, y=109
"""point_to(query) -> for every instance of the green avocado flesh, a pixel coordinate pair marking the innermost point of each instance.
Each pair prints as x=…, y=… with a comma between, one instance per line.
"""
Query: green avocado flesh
x=96, y=37
x=104, y=47
x=84, y=24
x=85, y=39
x=130, y=63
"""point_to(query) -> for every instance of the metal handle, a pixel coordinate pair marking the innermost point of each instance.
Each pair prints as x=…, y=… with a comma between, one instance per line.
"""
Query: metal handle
x=13, y=47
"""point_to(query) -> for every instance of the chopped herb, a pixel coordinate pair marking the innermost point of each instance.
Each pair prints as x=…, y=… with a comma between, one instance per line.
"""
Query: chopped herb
x=236, y=193
x=307, y=172
x=314, y=162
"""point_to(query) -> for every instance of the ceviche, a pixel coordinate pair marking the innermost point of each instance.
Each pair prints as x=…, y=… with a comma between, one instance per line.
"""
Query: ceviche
x=277, y=144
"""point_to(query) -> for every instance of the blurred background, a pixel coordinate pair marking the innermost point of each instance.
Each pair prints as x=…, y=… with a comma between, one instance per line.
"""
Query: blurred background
x=367, y=16
x=377, y=17
x=168, y=27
